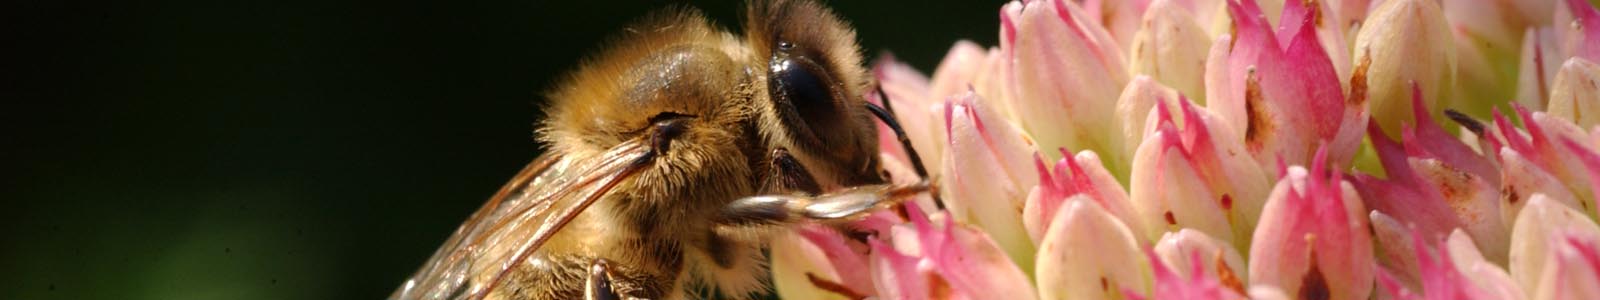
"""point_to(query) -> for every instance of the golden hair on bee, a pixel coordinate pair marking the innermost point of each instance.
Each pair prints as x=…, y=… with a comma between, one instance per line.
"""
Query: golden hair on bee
x=672, y=158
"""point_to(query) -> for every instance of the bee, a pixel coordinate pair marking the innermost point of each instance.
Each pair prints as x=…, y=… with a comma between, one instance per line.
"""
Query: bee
x=672, y=157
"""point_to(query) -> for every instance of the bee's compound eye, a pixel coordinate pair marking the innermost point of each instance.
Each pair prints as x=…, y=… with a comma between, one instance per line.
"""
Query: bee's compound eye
x=801, y=87
x=801, y=84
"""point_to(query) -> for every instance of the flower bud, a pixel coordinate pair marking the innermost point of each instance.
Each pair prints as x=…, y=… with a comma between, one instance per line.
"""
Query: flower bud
x=1572, y=270
x=1313, y=239
x=1170, y=284
x=1453, y=270
x=1580, y=25
x=1088, y=254
x=1120, y=19
x=1491, y=279
x=1391, y=242
x=1436, y=183
x=813, y=254
x=987, y=174
x=1196, y=177
x=1164, y=49
x=1536, y=162
x=917, y=111
x=1195, y=255
x=1135, y=108
x=1330, y=35
x=1067, y=73
x=1072, y=176
x=1575, y=93
x=939, y=257
x=1405, y=41
x=1540, y=229
x=959, y=69
x=1535, y=70
x=1284, y=101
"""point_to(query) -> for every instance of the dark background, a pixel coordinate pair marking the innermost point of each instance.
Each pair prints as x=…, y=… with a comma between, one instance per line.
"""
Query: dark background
x=295, y=149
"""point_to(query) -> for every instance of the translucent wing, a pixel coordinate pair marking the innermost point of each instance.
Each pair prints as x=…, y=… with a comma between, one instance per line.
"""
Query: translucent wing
x=524, y=214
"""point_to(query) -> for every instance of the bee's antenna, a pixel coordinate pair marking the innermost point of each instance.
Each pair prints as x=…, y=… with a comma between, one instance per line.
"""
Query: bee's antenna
x=885, y=113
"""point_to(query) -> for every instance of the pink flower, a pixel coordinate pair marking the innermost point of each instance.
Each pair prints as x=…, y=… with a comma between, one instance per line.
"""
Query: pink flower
x=1074, y=175
x=1437, y=183
x=1536, y=162
x=814, y=256
x=1171, y=285
x=938, y=258
x=1575, y=92
x=1088, y=254
x=1454, y=271
x=1281, y=93
x=1539, y=261
x=1312, y=240
x=1196, y=177
x=1536, y=69
x=1582, y=37
x=917, y=111
x=1573, y=270
x=1067, y=72
x=1406, y=45
x=1202, y=259
x=1165, y=47
x=1163, y=193
x=986, y=174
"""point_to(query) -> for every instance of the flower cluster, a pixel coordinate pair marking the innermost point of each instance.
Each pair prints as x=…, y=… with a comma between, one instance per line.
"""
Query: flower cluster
x=1236, y=149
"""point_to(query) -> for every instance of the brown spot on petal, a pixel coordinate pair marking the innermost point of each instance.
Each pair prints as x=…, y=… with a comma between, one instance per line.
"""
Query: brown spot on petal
x=1314, y=286
x=1316, y=12
x=1358, y=80
x=1170, y=219
x=1452, y=182
x=1104, y=286
x=1227, y=202
x=1233, y=31
x=1226, y=277
x=1510, y=193
x=1257, y=124
x=937, y=287
x=1456, y=187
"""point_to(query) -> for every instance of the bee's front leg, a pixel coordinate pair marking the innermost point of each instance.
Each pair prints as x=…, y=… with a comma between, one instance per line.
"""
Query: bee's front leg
x=804, y=202
x=832, y=208
x=598, y=284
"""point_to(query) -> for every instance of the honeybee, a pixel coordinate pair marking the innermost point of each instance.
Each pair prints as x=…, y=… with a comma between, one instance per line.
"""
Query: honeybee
x=672, y=157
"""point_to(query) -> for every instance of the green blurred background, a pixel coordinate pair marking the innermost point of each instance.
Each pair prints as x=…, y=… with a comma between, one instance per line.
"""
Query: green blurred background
x=295, y=149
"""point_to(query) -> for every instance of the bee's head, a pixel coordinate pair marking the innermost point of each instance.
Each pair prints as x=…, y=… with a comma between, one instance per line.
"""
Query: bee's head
x=815, y=88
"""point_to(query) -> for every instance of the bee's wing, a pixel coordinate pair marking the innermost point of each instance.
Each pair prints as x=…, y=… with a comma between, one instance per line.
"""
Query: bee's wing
x=524, y=214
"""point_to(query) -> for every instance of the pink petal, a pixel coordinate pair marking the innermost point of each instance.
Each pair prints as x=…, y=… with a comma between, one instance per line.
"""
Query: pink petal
x=1081, y=174
x=896, y=276
x=969, y=261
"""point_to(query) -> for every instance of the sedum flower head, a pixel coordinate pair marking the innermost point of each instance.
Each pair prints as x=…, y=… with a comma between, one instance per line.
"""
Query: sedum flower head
x=1199, y=149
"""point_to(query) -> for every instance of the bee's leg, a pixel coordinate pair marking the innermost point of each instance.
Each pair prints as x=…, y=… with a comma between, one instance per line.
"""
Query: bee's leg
x=786, y=174
x=842, y=206
x=583, y=277
x=598, y=285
